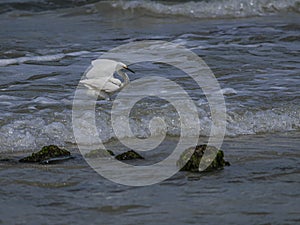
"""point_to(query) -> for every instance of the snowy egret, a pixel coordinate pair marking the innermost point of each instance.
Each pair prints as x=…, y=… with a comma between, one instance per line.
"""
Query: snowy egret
x=100, y=77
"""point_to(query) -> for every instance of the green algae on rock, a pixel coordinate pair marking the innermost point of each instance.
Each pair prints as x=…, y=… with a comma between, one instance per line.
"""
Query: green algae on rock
x=191, y=157
x=47, y=154
x=99, y=153
x=129, y=155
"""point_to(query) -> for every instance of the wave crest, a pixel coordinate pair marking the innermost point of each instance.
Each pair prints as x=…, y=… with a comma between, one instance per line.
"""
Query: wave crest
x=213, y=9
x=195, y=9
x=32, y=133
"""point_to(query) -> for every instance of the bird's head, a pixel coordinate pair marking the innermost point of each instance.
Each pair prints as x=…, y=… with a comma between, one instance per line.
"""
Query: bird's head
x=121, y=66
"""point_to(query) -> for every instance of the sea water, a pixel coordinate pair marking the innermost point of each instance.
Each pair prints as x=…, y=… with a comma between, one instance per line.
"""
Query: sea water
x=252, y=47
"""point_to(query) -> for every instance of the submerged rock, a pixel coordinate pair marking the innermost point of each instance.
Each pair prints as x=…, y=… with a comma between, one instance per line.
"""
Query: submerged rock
x=191, y=157
x=47, y=154
x=5, y=160
x=99, y=153
x=129, y=155
x=8, y=159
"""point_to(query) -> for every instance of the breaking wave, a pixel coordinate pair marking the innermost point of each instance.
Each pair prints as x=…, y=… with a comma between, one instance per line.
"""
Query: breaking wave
x=196, y=9
x=30, y=133
x=214, y=9
x=44, y=58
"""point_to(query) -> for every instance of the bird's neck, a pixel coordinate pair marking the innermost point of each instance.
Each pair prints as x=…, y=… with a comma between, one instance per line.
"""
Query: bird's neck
x=124, y=76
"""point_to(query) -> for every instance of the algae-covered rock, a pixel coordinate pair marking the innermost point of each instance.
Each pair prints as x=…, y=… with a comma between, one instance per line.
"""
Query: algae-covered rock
x=191, y=157
x=99, y=153
x=129, y=155
x=47, y=154
x=219, y=161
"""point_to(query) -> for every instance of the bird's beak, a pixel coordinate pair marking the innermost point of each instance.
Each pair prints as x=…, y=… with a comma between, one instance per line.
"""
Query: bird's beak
x=126, y=68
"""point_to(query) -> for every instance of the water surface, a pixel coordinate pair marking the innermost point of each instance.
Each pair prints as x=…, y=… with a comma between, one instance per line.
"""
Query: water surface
x=251, y=46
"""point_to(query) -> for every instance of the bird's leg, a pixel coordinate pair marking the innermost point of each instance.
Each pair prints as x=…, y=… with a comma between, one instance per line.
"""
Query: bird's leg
x=104, y=95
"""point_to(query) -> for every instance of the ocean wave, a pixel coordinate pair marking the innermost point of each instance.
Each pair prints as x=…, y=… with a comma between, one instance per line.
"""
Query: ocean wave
x=30, y=133
x=40, y=5
x=213, y=9
x=267, y=121
x=195, y=9
x=44, y=58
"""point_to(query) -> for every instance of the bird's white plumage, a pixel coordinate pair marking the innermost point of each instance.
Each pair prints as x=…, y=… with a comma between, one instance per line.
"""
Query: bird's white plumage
x=102, y=68
x=100, y=85
x=100, y=76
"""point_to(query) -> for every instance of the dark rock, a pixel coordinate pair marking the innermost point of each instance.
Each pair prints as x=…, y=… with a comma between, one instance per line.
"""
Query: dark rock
x=48, y=154
x=191, y=157
x=4, y=160
x=129, y=155
x=99, y=153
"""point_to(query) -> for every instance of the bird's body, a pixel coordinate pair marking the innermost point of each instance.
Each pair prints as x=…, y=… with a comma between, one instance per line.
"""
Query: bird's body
x=100, y=78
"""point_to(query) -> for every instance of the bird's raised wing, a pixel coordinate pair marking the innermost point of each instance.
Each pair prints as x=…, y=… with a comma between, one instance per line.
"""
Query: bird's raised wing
x=102, y=68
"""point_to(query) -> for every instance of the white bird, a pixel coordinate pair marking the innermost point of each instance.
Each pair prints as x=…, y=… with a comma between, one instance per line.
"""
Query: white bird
x=100, y=77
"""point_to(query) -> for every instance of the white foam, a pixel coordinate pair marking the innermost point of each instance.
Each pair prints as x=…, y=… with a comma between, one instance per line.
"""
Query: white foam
x=228, y=91
x=268, y=121
x=45, y=58
x=30, y=133
x=213, y=9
